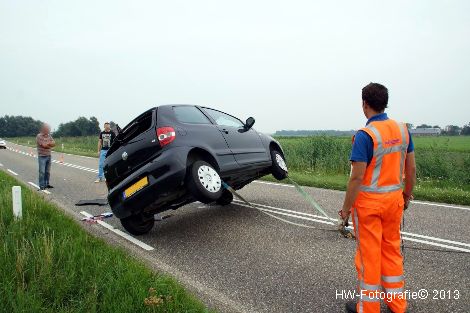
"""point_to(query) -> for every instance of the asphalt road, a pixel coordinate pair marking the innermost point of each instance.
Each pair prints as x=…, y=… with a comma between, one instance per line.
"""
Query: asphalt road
x=239, y=259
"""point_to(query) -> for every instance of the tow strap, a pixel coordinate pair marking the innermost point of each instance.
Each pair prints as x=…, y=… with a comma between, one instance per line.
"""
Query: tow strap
x=342, y=227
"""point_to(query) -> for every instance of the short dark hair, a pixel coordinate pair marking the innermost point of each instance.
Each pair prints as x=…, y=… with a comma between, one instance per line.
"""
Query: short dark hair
x=107, y=123
x=376, y=96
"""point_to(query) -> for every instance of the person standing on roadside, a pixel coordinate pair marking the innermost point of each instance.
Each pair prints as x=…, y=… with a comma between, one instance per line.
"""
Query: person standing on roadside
x=44, y=143
x=105, y=141
x=380, y=189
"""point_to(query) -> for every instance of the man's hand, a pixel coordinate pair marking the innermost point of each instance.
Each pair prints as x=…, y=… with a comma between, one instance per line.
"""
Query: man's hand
x=407, y=199
x=344, y=214
x=99, y=153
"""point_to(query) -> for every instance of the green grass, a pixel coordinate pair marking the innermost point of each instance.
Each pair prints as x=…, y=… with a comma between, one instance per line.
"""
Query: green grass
x=50, y=264
x=443, y=143
x=443, y=162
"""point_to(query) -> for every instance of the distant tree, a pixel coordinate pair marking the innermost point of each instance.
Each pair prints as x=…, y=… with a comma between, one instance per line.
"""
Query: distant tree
x=424, y=126
x=436, y=126
x=80, y=127
x=466, y=130
x=452, y=130
x=17, y=126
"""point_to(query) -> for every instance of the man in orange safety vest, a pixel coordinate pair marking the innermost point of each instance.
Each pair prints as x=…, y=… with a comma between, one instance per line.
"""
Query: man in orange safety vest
x=380, y=187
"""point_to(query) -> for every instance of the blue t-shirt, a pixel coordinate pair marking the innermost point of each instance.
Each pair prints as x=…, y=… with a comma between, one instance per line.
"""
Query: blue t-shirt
x=363, y=147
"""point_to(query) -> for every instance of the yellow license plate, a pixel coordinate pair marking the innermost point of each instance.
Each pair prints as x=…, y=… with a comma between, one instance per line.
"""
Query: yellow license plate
x=136, y=187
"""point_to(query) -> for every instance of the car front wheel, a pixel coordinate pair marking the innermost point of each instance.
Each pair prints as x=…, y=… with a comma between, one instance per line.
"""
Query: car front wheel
x=279, y=167
x=138, y=224
x=204, y=182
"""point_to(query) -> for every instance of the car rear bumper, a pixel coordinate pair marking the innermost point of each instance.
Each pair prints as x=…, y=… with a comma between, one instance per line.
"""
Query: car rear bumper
x=166, y=175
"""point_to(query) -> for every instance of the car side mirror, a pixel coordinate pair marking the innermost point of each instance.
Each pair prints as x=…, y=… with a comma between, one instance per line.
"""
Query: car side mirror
x=249, y=123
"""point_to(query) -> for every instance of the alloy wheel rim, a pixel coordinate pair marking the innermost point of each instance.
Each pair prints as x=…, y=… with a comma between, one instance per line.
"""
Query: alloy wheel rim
x=209, y=178
x=280, y=161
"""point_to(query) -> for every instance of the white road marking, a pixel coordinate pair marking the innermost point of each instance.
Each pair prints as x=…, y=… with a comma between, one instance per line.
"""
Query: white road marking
x=406, y=235
x=288, y=214
x=1, y=165
x=33, y=184
x=121, y=233
x=441, y=205
x=12, y=172
x=414, y=201
x=436, y=244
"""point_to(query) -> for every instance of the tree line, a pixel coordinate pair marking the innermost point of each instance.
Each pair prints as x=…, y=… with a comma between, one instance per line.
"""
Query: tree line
x=24, y=126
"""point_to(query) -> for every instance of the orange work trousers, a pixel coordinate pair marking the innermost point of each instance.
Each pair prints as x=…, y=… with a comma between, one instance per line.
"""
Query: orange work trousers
x=379, y=263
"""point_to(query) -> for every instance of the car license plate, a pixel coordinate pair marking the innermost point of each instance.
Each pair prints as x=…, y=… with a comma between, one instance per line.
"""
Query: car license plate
x=135, y=187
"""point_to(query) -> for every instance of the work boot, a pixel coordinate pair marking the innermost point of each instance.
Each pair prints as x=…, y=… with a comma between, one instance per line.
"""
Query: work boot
x=49, y=186
x=351, y=307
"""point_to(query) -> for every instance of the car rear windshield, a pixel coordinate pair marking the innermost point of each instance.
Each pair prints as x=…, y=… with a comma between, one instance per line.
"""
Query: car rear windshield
x=132, y=130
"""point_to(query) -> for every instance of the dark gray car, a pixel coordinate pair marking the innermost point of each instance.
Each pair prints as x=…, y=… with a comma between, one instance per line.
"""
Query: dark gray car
x=173, y=155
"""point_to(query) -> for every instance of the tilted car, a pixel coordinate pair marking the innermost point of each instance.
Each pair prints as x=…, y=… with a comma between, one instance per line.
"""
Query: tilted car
x=3, y=144
x=173, y=155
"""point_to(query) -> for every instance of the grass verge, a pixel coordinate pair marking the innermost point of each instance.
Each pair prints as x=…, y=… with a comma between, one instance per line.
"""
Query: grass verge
x=50, y=264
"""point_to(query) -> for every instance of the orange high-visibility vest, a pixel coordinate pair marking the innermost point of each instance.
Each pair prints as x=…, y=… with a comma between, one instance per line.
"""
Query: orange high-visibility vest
x=384, y=174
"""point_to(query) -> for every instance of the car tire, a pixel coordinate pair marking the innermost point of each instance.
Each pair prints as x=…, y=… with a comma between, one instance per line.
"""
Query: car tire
x=279, y=167
x=226, y=198
x=137, y=224
x=204, y=182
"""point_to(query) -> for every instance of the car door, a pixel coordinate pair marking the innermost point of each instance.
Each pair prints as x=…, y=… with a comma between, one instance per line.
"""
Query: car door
x=199, y=131
x=246, y=145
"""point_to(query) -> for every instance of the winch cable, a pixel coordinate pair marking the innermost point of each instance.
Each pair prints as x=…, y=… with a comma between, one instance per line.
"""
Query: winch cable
x=236, y=194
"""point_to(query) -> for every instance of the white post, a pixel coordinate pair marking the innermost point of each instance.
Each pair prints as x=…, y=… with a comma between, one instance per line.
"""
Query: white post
x=62, y=147
x=17, y=204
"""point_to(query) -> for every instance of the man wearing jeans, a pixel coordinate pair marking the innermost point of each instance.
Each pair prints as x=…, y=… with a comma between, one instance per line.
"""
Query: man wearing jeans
x=44, y=143
x=104, y=142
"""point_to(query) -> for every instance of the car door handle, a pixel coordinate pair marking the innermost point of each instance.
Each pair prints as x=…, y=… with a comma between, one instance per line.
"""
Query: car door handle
x=225, y=131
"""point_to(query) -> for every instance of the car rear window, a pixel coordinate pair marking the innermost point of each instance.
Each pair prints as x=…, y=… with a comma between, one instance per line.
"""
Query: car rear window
x=190, y=114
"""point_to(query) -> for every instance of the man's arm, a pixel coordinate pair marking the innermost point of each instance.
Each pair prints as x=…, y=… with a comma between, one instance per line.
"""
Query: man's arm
x=410, y=178
x=100, y=143
x=355, y=181
x=41, y=142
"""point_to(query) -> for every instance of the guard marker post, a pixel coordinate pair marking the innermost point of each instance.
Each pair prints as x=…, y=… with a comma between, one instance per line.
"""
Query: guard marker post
x=17, y=203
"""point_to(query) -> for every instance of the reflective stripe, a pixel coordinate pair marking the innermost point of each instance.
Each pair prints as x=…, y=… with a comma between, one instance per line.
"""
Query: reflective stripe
x=389, y=150
x=394, y=290
x=381, y=189
x=365, y=286
x=356, y=229
x=392, y=279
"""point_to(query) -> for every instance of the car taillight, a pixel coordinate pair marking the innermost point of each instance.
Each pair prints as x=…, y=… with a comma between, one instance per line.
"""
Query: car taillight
x=166, y=135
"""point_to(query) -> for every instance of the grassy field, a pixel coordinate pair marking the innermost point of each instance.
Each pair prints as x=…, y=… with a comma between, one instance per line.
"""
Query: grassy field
x=443, y=163
x=87, y=146
x=50, y=264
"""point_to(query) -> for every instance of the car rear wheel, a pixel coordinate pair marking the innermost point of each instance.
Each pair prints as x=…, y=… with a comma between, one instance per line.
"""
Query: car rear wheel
x=279, y=167
x=204, y=182
x=226, y=198
x=138, y=224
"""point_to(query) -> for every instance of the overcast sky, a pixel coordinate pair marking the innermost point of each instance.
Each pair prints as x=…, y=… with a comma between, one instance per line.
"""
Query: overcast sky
x=290, y=64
